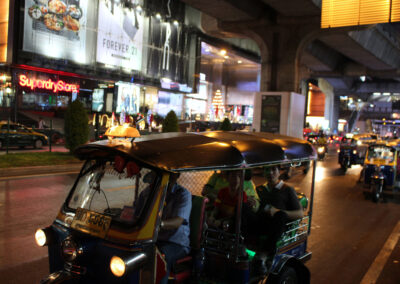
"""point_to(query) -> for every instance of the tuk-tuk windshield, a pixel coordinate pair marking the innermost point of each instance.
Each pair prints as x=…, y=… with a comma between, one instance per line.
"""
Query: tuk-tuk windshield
x=113, y=188
x=381, y=153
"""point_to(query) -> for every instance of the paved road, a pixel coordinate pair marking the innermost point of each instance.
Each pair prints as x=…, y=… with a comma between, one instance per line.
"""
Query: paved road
x=351, y=238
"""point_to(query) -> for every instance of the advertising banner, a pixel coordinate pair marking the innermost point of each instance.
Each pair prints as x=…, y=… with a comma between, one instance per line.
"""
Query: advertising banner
x=98, y=100
x=120, y=36
x=128, y=98
x=58, y=28
x=271, y=114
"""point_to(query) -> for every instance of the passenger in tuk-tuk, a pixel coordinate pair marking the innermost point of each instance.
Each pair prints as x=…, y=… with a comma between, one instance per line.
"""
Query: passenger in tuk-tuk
x=218, y=180
x=226, y=201
x=278, y=205
x=173, y=238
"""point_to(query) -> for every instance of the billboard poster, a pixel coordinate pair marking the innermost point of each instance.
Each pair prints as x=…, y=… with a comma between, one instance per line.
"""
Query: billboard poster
x=57, y=29
x=120, y=36
x=128, y=98
x=270, y=114
x=98, y=100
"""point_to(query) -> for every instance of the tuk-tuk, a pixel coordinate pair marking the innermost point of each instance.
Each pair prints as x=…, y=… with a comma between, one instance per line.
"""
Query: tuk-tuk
x=381, y=167
x=353, y=148
x=101, y=234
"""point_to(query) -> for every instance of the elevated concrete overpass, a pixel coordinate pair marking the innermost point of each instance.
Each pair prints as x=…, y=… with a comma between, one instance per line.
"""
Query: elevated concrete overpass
x=294, y=48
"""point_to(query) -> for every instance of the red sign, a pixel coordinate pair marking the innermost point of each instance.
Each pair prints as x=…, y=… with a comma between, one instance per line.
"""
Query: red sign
x=59, y=86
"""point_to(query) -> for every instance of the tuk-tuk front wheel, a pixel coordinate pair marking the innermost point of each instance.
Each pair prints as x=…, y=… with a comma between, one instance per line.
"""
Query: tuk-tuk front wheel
x=288, y=275
x=344, y=167
x=376, y=192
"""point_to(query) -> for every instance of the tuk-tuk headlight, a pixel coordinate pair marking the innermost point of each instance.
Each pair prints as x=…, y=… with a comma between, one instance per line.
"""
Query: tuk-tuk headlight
x=320, y=149
x=359, y=142
x=354, y=152
x=43, y=236
x=70, y=249
x=117, y=266
x=120, y=266
x=338, y=150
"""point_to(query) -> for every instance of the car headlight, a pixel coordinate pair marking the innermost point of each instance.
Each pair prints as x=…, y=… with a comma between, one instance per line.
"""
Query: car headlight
x=70, y=249
x=43, y=236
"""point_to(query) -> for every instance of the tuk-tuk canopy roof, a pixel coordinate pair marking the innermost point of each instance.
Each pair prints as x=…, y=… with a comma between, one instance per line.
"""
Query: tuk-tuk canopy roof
x=205, y=150
x=366, y=136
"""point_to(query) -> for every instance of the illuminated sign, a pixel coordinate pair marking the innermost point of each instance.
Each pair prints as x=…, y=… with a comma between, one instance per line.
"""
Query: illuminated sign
x=341, y=13
x=59, y=86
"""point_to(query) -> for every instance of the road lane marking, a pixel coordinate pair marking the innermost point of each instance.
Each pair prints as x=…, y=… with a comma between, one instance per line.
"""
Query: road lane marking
x=379, y=263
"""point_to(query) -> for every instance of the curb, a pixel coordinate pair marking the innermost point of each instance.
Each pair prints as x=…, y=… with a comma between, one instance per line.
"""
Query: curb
x=38, y=170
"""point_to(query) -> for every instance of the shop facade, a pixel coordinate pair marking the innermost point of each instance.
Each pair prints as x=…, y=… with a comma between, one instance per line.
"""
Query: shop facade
x=117, y=57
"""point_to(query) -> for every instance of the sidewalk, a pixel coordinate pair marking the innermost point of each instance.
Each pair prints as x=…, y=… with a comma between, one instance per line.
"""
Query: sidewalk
x=39, y=170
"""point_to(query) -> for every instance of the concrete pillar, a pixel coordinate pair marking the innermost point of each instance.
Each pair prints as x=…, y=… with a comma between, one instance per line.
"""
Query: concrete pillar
x=327, y=89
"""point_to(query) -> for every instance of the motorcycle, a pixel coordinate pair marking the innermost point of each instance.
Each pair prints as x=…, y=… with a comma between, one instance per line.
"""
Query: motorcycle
x=377, y=184
x=345, y=159
x=321, y=150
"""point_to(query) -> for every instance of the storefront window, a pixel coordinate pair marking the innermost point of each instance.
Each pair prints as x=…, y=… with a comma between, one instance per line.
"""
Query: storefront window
x=195, y=109
x=38, y=101
x=169, y=101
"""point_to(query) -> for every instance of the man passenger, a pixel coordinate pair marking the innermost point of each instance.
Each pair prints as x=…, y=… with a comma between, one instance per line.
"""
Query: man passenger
x=278, y=205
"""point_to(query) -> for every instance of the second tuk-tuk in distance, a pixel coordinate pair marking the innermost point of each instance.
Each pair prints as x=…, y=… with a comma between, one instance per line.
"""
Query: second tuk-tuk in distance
x=353, y=148
x=101, y=236
x=382, y=168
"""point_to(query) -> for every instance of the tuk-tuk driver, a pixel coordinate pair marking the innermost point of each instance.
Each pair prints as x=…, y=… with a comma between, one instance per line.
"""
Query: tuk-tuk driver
x=173, y=238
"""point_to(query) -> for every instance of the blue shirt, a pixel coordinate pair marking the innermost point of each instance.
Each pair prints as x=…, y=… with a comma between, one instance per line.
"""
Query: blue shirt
x=178, y=203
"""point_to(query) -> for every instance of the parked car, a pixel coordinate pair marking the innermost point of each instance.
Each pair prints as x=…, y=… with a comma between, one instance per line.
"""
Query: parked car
x=56, y=136
x=20, y=135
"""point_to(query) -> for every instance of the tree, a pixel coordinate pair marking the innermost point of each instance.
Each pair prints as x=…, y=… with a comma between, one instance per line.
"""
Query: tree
x=170, y=123
x=76, y=125
x=226, y=125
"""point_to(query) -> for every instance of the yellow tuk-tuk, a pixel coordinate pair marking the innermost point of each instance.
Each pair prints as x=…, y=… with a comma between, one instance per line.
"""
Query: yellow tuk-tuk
x=101, y=236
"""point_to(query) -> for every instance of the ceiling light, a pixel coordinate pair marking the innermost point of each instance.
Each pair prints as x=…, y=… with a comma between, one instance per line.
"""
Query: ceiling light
x=158, y=16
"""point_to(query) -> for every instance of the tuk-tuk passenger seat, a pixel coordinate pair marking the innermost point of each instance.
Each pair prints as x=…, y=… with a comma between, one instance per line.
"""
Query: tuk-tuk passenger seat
x=182, y=268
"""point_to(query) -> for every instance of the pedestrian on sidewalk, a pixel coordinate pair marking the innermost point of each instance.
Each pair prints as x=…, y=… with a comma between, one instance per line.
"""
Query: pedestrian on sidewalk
x=41, y=123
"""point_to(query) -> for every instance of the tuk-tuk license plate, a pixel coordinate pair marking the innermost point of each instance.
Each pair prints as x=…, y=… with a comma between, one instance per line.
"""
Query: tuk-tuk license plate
x=91, y=223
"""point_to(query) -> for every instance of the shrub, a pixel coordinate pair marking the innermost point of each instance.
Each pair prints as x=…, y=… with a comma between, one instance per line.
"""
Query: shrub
x=170, y=123
x=226, y=125
x=76, y=125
